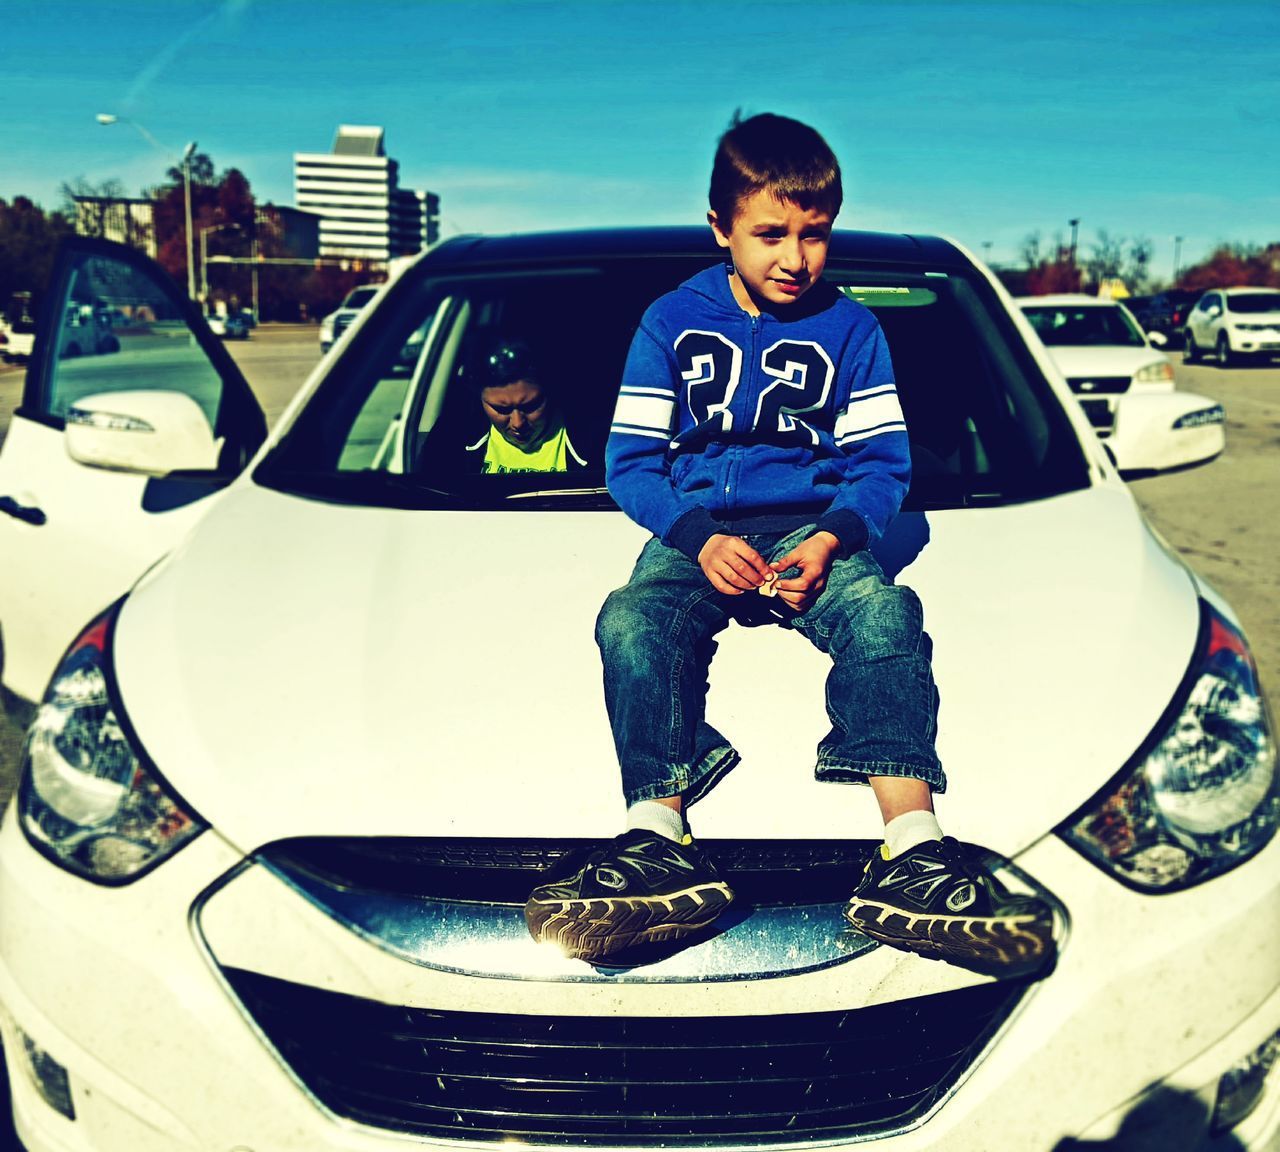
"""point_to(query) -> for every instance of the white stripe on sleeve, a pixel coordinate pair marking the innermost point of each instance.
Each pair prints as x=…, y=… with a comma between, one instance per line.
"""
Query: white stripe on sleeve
x=870, y=412
x=644, y=412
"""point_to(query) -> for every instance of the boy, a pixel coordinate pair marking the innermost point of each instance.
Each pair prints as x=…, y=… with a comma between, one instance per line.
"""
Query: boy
x=759, y=437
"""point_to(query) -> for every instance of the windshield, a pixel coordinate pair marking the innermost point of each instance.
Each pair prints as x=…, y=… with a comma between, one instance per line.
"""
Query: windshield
x=410, y=416
x=359, y=297
x=1254, y=302
x=1084, y=325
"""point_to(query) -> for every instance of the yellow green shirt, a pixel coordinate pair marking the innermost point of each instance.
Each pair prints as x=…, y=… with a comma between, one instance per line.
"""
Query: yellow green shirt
x=550, y=456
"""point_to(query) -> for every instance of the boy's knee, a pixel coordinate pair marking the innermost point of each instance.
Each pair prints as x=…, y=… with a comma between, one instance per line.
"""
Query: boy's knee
x=626, y=623
x=888, y=622
x=895, y=616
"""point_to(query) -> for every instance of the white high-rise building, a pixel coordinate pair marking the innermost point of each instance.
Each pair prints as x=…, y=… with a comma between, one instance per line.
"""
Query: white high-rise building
x=355, y=191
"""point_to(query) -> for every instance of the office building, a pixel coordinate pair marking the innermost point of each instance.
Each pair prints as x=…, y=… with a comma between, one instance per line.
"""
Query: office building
x=354, y=189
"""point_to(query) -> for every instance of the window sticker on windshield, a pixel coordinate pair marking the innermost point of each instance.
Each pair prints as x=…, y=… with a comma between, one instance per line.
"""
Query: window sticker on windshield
x=889, y=295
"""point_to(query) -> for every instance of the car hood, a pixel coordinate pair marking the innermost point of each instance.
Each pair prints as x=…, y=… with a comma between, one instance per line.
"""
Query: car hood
x=302, y=668
x=1108, y=360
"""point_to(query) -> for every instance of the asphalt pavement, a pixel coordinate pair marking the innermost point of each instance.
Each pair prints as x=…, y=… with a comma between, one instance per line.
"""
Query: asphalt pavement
x=1223, y=517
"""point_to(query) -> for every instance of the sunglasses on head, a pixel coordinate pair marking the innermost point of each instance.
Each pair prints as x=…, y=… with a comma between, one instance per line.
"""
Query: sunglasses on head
x=509, y=362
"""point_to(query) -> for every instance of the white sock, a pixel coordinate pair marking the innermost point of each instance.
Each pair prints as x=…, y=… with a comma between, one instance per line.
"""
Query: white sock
x=653, y=816
x=905, y=832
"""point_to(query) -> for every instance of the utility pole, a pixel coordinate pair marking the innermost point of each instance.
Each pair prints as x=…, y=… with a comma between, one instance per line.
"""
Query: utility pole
x=1075, y=226
x=1177, y=256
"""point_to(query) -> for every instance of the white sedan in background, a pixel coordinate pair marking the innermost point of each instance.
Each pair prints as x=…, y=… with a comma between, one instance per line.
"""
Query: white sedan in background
x=286, y=789
x=1234, y=325
x=1124, y=383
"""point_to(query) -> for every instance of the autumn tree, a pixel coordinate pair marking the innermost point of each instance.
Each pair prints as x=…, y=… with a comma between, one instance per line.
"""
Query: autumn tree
x=1048, y=273
x=28, y=244
x=1235, y=265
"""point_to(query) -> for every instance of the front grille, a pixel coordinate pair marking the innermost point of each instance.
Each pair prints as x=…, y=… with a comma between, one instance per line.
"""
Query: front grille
x=341, y=324
x=616, y=1080
x=501, y=871
x=1100, y=415
x=1100, y=385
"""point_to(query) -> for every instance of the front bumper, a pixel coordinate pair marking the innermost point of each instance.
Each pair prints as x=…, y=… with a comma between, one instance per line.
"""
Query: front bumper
x=122, y=988
x=1264, y=341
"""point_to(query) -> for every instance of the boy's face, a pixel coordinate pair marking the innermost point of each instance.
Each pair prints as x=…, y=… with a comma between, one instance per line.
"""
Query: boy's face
x=779, y=249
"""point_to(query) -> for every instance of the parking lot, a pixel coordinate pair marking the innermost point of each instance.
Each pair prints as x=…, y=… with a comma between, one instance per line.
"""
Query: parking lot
x=1223, y=517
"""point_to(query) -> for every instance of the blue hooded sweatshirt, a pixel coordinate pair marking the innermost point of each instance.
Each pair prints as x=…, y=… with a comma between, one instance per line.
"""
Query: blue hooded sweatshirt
x=728, y=422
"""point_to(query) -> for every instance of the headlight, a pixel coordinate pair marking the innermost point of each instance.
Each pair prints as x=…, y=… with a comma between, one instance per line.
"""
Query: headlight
x=88, y=798
x=1203, y=795
x=1154, y=372
x=326, y=329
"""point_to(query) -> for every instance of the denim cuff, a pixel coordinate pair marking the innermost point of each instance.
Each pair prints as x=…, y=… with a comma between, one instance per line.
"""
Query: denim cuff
x=860, y=772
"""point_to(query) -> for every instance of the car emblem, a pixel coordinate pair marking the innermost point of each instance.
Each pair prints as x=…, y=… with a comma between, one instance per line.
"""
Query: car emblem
x=1087, y=386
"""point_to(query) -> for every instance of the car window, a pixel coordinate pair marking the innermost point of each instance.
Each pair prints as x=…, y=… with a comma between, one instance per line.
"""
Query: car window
x=397, y=419
x=1254, y=302
x=149, y=347
x=359, y=297
x=1083, y=326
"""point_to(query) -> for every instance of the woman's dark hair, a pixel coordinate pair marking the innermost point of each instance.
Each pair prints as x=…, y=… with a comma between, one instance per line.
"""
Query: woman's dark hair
x=505, y=362
x=776, y=153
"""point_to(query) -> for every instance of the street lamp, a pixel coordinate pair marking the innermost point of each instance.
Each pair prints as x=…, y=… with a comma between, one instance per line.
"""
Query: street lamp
x=1177, y=256
x=1075, y=225
x=185, y=162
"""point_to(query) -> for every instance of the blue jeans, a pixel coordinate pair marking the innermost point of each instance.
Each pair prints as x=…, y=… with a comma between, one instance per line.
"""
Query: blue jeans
x=657, y=636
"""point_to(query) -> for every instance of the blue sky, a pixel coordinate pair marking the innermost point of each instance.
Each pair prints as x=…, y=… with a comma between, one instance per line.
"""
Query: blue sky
x=985, y=122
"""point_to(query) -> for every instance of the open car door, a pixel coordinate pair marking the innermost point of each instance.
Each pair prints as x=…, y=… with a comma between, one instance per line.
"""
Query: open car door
x=114, y=452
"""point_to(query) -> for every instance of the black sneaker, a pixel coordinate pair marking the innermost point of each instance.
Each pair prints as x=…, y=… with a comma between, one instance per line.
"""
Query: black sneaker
x=939, y=901
x=638, y=889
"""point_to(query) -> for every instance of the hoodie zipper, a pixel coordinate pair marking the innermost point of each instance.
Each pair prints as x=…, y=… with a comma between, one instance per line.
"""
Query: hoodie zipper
x=735, y=453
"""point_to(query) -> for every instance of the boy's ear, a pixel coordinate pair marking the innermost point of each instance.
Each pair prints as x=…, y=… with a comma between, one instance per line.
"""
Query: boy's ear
x=722, y=238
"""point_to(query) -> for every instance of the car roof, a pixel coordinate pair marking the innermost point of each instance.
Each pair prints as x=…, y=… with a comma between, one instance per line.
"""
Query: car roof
x=621, y=243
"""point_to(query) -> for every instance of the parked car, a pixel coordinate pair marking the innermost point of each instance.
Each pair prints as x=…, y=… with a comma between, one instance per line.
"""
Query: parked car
x=1124, y=383
x=18, y=339
x=338, y=321
x=1237, y=324
x=286, y=791
x=1166, y=313
x=231, y=326
x=85, y=331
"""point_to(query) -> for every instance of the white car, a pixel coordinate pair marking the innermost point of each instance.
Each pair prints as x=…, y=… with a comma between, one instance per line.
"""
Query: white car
x=288, y=788
x=338, y=321
x=230, y=326
x=1234, y=325
x=1124, y=383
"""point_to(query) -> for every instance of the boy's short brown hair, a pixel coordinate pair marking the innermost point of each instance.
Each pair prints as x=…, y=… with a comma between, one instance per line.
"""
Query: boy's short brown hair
x=771, y=152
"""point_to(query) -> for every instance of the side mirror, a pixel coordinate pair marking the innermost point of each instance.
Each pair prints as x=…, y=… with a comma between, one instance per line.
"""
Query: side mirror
x=153, y=433
x=1157, y=339
x=1164, y=431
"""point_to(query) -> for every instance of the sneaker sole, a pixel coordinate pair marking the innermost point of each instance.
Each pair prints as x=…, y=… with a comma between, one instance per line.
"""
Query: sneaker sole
x=594, y=929
x=999, y=943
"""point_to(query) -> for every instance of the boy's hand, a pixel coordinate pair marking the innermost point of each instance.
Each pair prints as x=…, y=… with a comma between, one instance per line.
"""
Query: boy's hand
x=814, y=558
x=732, y=565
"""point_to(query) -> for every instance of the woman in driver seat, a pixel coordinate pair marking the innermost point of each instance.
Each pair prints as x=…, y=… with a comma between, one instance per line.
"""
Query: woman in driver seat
x=526, y=431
